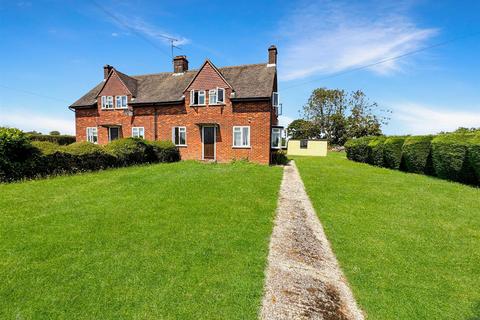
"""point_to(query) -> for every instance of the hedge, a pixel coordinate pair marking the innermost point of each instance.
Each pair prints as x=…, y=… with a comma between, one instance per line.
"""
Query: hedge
x=392, y=152
x=474, y=155
x=21, y=158
x=452, y=156
x=357, y=149
x=60, y=139
x=417, y=155
x=375, y=153
x=449, y=155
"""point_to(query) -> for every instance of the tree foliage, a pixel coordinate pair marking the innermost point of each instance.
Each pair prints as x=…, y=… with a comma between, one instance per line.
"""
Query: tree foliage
x=337, y=116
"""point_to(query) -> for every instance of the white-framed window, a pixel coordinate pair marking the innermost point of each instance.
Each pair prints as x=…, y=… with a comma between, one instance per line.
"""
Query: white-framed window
x=212, y=96
x=197, y=97
x=179, y=136
x=241, y=136
x=107, y=102
x=92, y=134
x=277, y=138
x=138, y=132
x=216, y=96
x=275, y=99
x=121, y=102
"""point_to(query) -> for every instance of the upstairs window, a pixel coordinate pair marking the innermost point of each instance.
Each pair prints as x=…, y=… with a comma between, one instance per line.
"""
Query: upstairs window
x=275, y=99
x=241, y=137
x=92, y=134
x=138, y=132
x=107, y=102
x=197, y=97
x=121, y=102
x=179, y=136
x=216, y=96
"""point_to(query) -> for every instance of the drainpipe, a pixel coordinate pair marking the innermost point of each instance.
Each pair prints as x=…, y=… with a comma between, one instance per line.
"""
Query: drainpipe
x=155, y=123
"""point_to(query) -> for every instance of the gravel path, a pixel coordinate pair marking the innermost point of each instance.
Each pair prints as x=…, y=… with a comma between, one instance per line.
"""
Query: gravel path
x=304, y=280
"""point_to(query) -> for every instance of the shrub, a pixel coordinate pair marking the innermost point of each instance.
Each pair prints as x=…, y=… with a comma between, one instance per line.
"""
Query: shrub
x=83, y=148
x=357, y=149
x=417, y=155
x=46, y=147
x=279, y=157
x=375, y=151
x=164, y=151
x=449, y=155
x=392, y=152
x=60, y=139
x=130, y=151
x=16, y=154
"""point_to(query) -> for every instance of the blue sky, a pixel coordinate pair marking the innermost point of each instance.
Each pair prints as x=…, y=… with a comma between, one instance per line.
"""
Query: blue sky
x=56, y=50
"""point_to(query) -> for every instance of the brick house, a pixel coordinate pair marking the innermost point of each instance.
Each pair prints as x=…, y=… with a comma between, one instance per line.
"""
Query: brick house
x=210, y=114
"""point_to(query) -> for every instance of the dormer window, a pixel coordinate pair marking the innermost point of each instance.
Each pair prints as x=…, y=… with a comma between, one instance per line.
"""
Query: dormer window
x=197, y=97
x=216, y=96
x=121, y=102
x=107, y=102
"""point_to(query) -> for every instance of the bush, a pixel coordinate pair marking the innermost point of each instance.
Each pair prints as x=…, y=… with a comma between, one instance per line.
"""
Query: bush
x=417, y=155
x=130, y=151
x=474, y=155
x=46, y=147
x=375, y=151
x=279, y=157
x=60, y=139
x=392, y=152
x=78, y=148
x=357, y=149
x=16, y=154
x=164, y=151
x=449, y=155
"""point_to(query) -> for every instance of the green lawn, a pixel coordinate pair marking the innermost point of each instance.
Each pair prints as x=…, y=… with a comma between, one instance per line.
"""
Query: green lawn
x=409, y=244
x=168, y=241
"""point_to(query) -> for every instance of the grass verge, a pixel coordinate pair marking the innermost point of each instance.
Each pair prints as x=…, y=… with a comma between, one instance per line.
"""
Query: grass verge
x=409, y=244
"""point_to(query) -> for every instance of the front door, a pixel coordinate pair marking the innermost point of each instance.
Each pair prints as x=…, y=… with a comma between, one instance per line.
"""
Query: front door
x=208, y=135
x=113, y=133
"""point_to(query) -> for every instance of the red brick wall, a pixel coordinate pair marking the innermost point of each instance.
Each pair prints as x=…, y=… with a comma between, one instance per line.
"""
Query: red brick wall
x=257, y=115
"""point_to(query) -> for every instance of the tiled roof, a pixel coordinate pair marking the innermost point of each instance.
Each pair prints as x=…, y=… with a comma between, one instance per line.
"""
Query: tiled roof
x=248, y=81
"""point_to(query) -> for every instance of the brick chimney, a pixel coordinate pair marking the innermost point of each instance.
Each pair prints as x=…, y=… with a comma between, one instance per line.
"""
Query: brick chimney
x=272, y=55
x=106, y=70
x=180, y=64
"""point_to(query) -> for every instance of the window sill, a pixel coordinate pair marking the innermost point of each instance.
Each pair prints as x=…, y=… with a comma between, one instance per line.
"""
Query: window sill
x=198, y=105
x=217, y=104
x=241, y=147
x=180, y=145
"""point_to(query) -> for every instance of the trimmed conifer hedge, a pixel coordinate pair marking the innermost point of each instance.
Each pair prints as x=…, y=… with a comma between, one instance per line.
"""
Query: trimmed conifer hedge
x=375, y=153
x=358, y=150
x=417, y=155
x=60, y=139
x=451, y=156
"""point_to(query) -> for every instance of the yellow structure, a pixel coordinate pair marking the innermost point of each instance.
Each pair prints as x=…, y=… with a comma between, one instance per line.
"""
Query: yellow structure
x=317, y=148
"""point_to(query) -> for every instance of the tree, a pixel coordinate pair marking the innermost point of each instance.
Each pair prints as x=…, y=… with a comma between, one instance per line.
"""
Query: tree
x=338, y=116
x=301, y=129
x=55, y=133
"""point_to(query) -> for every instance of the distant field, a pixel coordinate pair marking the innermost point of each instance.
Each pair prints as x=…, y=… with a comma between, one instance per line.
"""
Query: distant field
x=168, y=241
x=409, y=244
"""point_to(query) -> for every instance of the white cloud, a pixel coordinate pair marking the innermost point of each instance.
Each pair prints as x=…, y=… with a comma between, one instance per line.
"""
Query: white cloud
x=332, y=36
x=28, y=122
x=412, y=118
x=141, y=26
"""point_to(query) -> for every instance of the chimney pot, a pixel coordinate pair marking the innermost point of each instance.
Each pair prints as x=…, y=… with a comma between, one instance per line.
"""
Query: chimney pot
x=180, y=64
x=106, y=70
x=272, y=55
